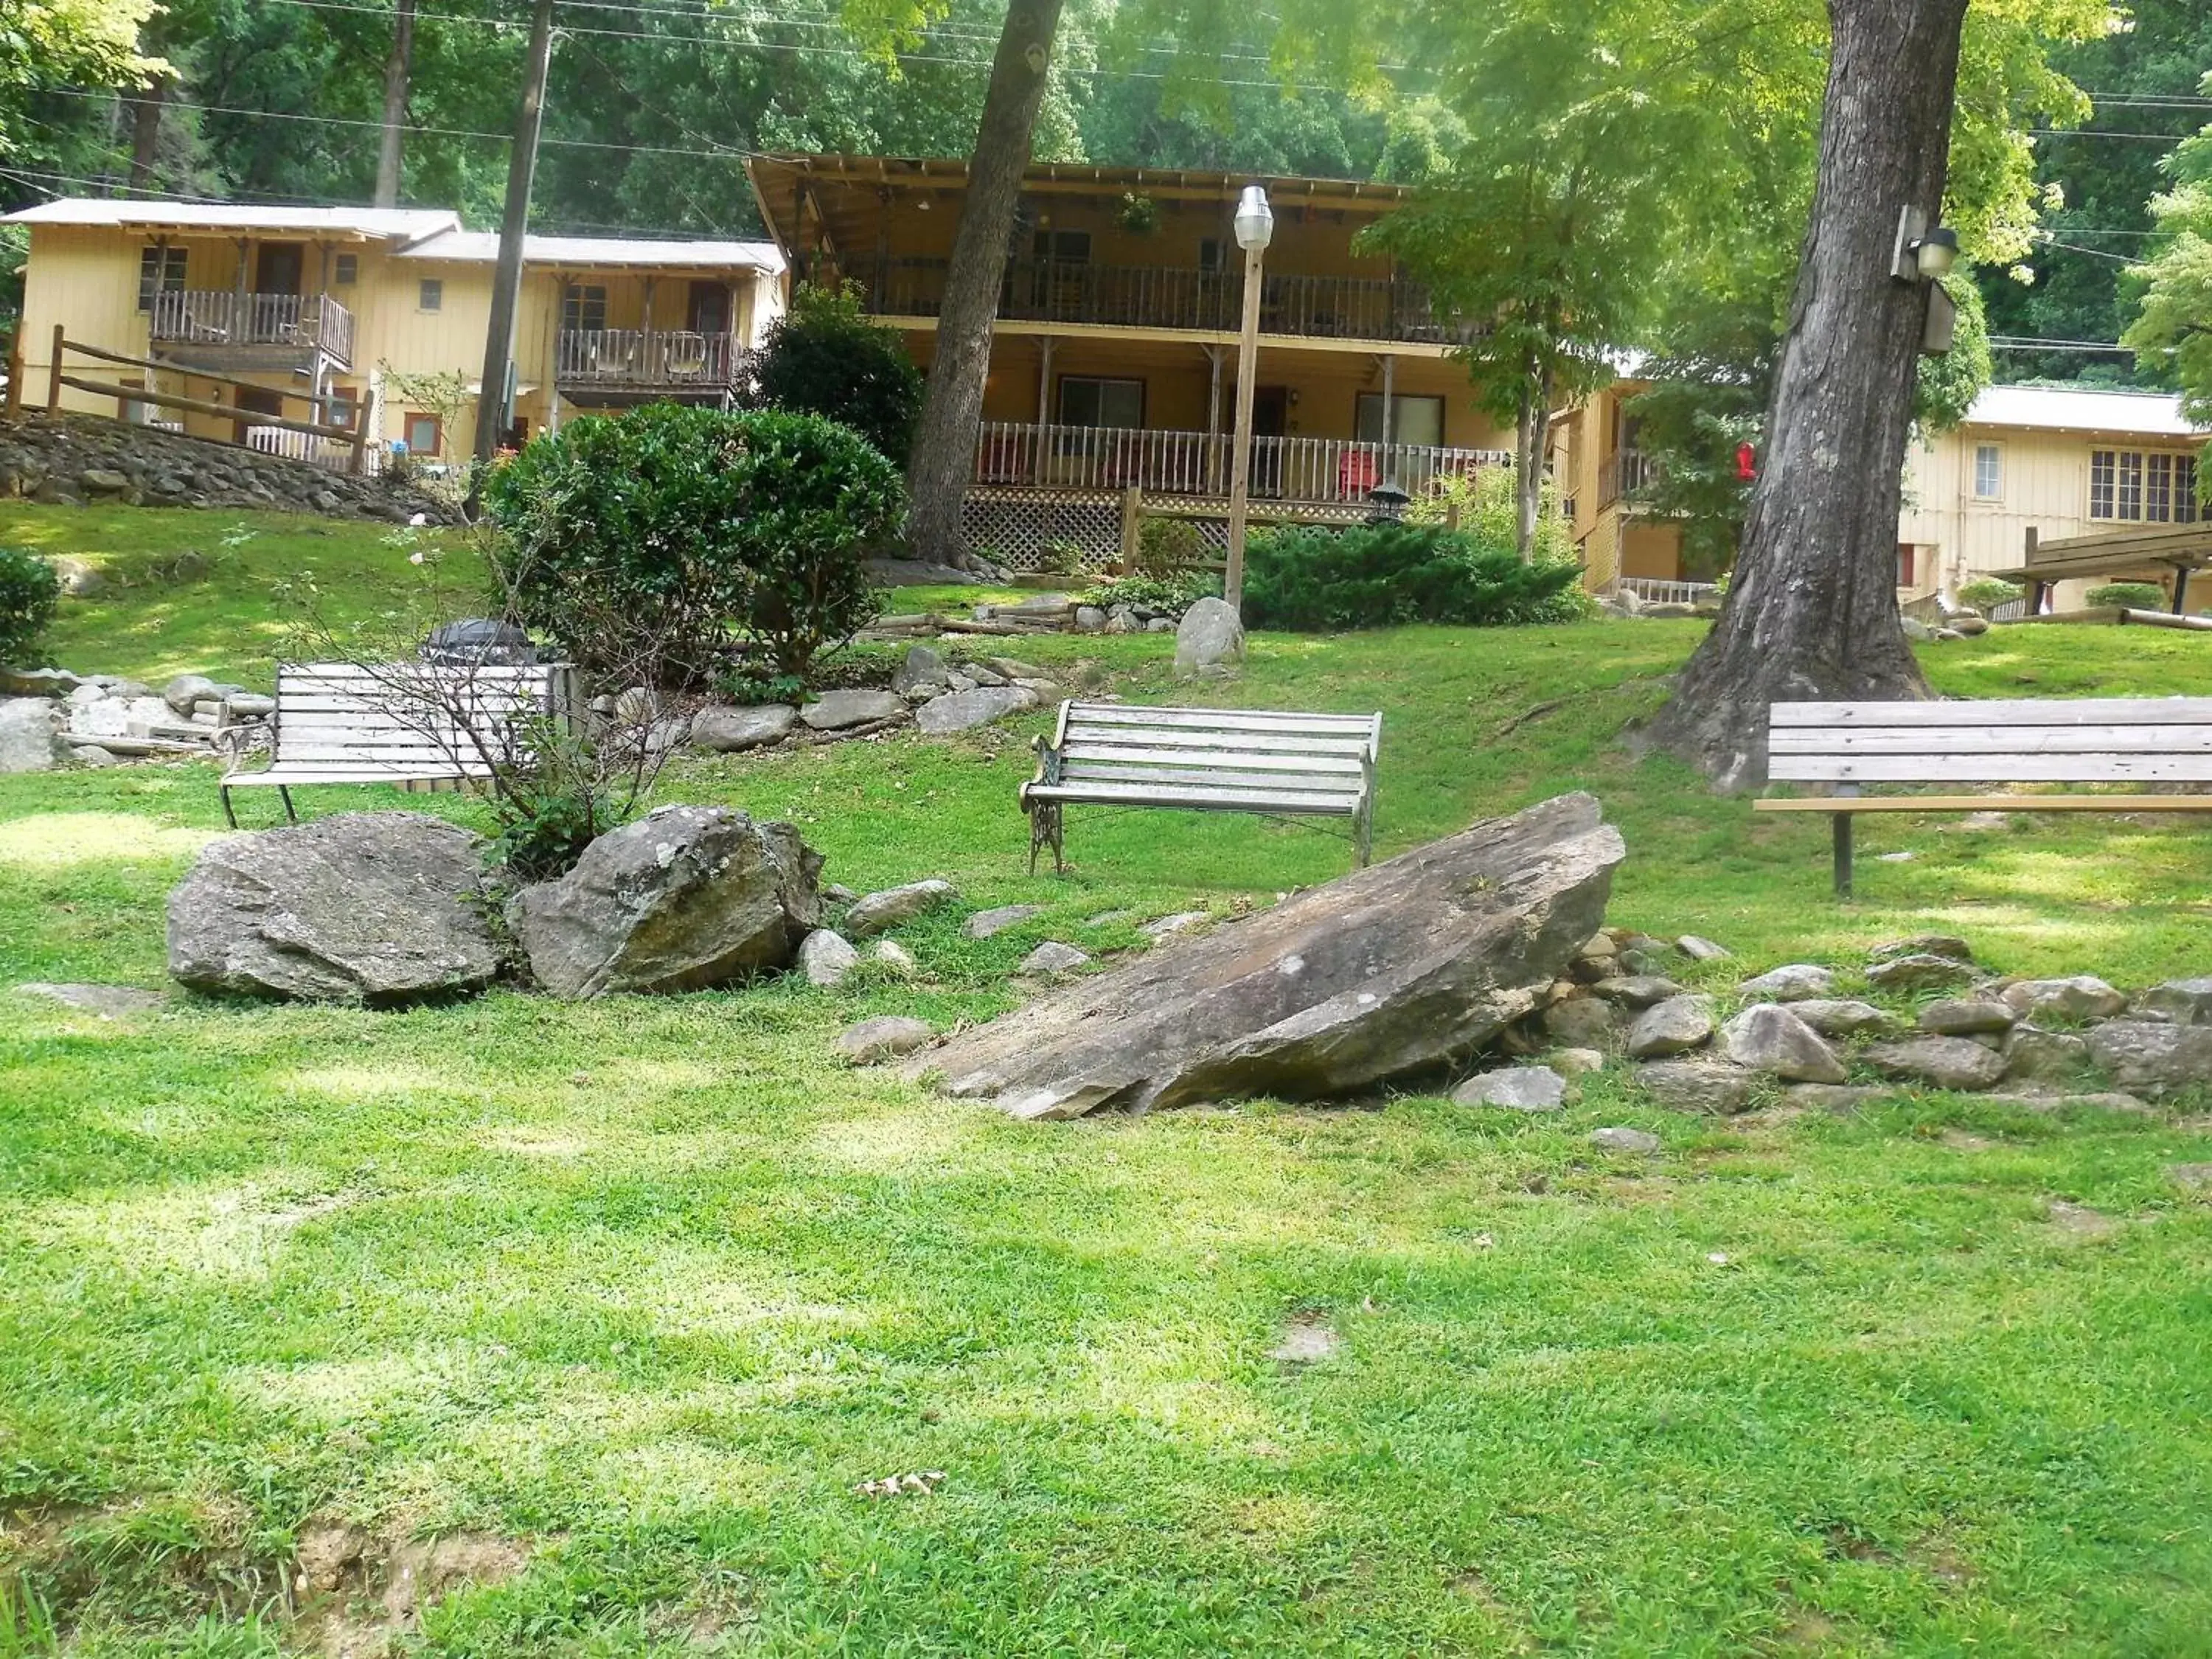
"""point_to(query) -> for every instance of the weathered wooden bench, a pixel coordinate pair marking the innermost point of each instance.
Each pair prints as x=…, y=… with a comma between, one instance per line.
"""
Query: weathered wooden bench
x=1207, y=760
x=2147, y=741
x=412, y=723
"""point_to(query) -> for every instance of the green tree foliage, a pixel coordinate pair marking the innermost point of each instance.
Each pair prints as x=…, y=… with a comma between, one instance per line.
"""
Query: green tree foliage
x=30, y=594
x=1311, y=581
x=824, y=357
x=2171, y=334
x=666, y=533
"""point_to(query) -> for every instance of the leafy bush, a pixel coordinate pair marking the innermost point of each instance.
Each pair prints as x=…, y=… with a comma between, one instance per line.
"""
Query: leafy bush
x=663, y=533
x=1987, y=592
x=1312, y=581
x=1061, y=558
x=1489, y=511
x=30, y=593
x=1177, y=593
x=1165, y=546
x=824, y=357
x=2135, y=595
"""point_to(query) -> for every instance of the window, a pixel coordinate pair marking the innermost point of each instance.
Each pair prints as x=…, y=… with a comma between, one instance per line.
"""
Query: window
x=2150, y=487
x=1086, y=401
x=431, y=294
x=1905, y=551
x=1209, y=253
x=342, y=407
x=1066, y=247
x=584, y=308
x=1412, y=420
x=345, y=270
x=160, y=270
x=1988, y=473
x=425, y=434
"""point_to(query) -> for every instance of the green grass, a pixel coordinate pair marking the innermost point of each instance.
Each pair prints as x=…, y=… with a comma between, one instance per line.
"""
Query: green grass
x=649, y=1285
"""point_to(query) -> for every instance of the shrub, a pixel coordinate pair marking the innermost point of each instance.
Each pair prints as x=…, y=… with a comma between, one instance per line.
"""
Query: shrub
x=1165, y=546
x=1313, y=580
x=687, y=527
x=1061, y=558
x=1489, y=511
x=824, y=357
x=2135, y=595
x=1987, y=592
x=1177, y=593
x=30, y=593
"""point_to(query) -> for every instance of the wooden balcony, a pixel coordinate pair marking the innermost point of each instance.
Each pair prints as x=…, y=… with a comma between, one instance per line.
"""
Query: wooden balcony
x=1319, y=471
x=1623, y=473
x=222, y=323
x=668, y=362
x=1168, y=297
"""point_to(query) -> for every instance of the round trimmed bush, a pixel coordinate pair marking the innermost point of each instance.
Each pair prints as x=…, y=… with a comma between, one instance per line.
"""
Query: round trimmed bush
x=645, y=542
x=824, y=357
x=30, y=593
x=1309, y=580
x=2134, y=596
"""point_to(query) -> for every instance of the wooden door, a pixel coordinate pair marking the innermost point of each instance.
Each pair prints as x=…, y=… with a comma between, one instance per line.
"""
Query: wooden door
x=1271, y=418
x=708, y=309
x=278, y=266
x=262, y=401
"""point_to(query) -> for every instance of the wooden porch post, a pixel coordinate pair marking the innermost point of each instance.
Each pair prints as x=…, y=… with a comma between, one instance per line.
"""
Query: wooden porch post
x=645, y=351
x=1039, y=444
x=1213, y=419
x=1385, y=473
x=13, y=407
x=54, y=373
x=1133, y=525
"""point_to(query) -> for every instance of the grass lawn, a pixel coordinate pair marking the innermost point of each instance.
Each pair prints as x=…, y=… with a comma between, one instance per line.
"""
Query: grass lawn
x=626, y=1297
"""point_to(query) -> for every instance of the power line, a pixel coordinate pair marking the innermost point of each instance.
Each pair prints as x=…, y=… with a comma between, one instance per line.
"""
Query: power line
x=2029, y=343
x=2032, y=132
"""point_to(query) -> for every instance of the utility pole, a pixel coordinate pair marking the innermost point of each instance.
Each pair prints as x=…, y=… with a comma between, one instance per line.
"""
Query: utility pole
x=514, y=225
x=397, y=67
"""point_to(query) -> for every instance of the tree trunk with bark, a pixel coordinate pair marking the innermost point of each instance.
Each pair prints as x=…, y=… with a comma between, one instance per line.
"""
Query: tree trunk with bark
x=1529, y=433
x=397, y=68
x=146, y=132
x=942, y=462
x=1811, y=612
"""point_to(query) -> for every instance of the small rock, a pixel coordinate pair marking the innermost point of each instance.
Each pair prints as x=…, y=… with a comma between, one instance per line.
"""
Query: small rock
x=838, y=893
x=102, y=481
x=1090, y=619
x=92, y=754
x=1965, y=1016
x=886, y=1036
x=920, y=669
x=1599, y=947
x=1696, y=1085
x=1699, y=949
x=1836, y=1098
x=2031, y=1052
x=882, y=911
x=984, y=923
x=826, y=958
x=1168, y=926
x=1672, y=1027
x=1949, y=1062
x=1795, y=983
x=719, y=729
x=1519, y=1088
x=243, y=705
x=1576, y=1062
x=1768, y=1037
x=1581, y=1021
x=1919, y=971
x=833, y=711
x=963, y=711
x=1210, y=642
x=1615, y=1139
x=2183, y=1001
x=1923, y=944
x=1836, y=1018
x=893, y=955
x=1637, y=990
x=976, y=673
x=2084, y=997
x=1013, y=668
x=1053, y=957
x=29, y=740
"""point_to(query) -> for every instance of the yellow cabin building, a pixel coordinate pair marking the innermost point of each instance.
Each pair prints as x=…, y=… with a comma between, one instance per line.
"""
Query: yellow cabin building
x=332, y=304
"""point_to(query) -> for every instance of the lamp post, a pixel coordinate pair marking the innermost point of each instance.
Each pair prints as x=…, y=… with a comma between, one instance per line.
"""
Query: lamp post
x=1255, y=224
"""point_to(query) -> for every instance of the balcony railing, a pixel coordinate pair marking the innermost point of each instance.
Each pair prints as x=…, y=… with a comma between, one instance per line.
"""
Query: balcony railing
x=1161, y=296
x=223, y=317
x=645, y=357
x=1321, y=470
x=1623, y=473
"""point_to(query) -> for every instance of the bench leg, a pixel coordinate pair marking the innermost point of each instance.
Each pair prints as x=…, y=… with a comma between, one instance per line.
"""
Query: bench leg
x=1366, y=834
x=1842, y=822
x=1045, y=830
x=229, y=813
x=285, y=795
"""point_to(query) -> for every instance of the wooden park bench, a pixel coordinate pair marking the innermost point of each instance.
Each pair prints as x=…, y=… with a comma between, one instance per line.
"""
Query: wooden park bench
x=1207, y=760
x=2141, y=740
x=407, y=723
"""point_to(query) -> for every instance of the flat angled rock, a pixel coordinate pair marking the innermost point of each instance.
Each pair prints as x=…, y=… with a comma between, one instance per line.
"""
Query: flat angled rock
x=1948, y=1062
x=723, y=730
x=1793, y=983
x=1700, y=949
x=1965, y=1016
x=2083, y=997
x=1402, y=968
x=881, y=911
x=1836, y=1018
x=1054, y=957
x=1923, y=944
x=833, y=711
x=1696, y=1085
x=1615, y=1137
x=1636, y=990
x=1672, y=1027
x=108, y=1001
x=962, y=711
x=2183, y=1001
x=1920, y=971
x=884, y=1037
x=1517, y=1088
x=2138, y=1054
x=984, y=923
x=1769, y=1038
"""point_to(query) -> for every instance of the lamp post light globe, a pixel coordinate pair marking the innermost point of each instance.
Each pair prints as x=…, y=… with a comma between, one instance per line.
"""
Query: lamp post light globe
x=1934, y=253
x=1255, y=221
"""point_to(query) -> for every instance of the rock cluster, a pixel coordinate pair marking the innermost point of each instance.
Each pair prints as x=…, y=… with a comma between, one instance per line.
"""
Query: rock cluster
x=49, y=716
x=85, y=458
x=940, y=696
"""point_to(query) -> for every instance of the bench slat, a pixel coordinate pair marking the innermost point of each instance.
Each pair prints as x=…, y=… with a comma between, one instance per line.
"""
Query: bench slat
x=1348, y=765
x=1207, y=797
x=288, y=775
x=2048, y=711
x=1972, y=766
x=1222, y=720
x=1997, y=740
x=1083, y=735
x=1082, y=772
x=1857, y=803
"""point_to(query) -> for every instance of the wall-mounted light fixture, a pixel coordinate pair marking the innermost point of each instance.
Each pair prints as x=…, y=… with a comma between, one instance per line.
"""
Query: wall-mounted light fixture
x=1921, y=253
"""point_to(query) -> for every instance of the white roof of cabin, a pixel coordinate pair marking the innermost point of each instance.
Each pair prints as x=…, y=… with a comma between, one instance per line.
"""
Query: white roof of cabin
x=482, y=247
x=2080, y=409
x=403, y=224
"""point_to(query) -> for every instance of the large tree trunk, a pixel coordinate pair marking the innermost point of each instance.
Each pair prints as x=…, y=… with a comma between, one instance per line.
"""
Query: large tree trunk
x=146, y=132
x=942, y=460
x=397, y=67
x=1812, y=610
x=1534, y=427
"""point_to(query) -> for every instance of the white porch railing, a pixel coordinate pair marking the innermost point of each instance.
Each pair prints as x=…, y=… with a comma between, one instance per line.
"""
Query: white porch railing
x=1656, y=590
x=644, y=357
x=1329, y=471
x=222, y=317
x=325, y=453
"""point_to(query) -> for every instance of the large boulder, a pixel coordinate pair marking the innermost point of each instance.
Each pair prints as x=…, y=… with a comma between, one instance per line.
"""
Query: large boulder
x=1673, y=1027
x=833, y=711
x=1393, y=971
x=1209, y=642
x=2183, y=1001
x=960, y=711
x=687, y=897
x=724, y=730
x=1948, y=1062
x=2083, y=997
x=379, y=908
x=2139, y=1054
x=29, y=735
x=1768, y=1037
